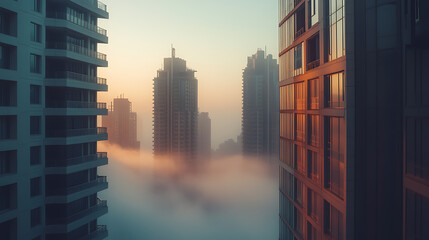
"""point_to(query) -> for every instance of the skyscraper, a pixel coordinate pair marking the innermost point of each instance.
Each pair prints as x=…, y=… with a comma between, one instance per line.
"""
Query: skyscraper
x=204, y=142
x=48, y=119
x=260, y=123
x=175, y=110
x=353, y=119
x=121, y=124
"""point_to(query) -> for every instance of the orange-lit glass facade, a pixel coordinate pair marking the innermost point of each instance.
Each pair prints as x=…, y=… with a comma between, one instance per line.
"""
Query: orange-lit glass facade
x=354, y=119
x=312, y=124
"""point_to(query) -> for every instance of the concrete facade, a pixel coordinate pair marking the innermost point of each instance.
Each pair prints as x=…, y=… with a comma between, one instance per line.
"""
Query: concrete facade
x=175, y=111
x=121, y=124
x=260, y=120
x=48, y=111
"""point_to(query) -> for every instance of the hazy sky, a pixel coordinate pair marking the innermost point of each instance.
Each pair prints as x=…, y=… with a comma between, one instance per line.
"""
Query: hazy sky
x=214, y=37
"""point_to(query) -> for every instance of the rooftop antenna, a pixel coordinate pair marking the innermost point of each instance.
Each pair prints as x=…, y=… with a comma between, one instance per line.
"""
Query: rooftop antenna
x=173, y=51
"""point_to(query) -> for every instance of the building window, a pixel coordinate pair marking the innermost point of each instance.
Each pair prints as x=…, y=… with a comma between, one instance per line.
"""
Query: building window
x=291, y=63
x=8, y=128
x=312, y=233
x=333, y=222
x=35, y=155
x=7, y=93
x=285, y=7
x=35, y=63
x=313, y=94
x=7, y=54
x=313, y=206
x=334, y=93
x=8, y=162
x=36, y=217
x=8, y=198
x=334, y=155
x=300, y=96
x=8, y=22
x=36, y=32
x=35, y=125
x=313, y=52
x=313, y=130
x=286, y=126
x=336, y=30
x=299, y=21
x=35, y=186
x=287, y=97
x=298, y=192
x=300, y=159
x=286, y=34
x=286, y=152
x=35, y=93
x=298, y=222
x=314, y=12
x=313, y=166
x=417, y=158
x=8, y=230
x=416, y=216
x=298, y=60
x=37, y=5
x=300, y=127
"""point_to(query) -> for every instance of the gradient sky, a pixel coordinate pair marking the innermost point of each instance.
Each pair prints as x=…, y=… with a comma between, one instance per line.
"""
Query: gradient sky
x=214, y=37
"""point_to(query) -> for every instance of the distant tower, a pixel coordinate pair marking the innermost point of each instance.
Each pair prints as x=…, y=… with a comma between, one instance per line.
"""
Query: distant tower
x=204, y=135
x=121, y=124
x=260, y=134
x=175, y=109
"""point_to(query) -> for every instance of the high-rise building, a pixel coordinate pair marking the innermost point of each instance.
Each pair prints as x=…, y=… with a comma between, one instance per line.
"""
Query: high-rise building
x=260, y=123
x=175, y=110
x=48, y=119
x=204, y=142
x=353, y=119
x=121, y=124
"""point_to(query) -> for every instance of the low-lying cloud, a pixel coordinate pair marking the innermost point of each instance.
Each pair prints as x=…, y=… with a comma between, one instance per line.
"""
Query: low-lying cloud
x=161, y=199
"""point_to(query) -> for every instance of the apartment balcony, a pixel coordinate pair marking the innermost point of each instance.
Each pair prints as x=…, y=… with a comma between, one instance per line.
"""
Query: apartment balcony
x=66, y=21
x=75, y=52
x=75, y=136
x=96, y=7
x=312, y=65
x=76, y=80
x=99, y=233
x=71, y=165
x=69, y=223
x=72, y=193
x=75, y=108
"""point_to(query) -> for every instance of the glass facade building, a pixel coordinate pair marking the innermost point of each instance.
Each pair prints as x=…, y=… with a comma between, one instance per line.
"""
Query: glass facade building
x=353, y=119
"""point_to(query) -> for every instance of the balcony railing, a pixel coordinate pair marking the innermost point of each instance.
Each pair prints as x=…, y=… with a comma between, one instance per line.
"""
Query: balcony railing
x=61, y=191
x=336, y=104
x=299, y=32
x=78, y=21
x=79, y=77
x=76, y=132
x=101, y=130
x=77, y=104
x=78, y=160
x=313, y=64
x=102, y=6
x=77, y=49
x=67, y=220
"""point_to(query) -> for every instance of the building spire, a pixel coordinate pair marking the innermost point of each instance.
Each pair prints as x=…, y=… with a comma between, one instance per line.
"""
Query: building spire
x=173, y=51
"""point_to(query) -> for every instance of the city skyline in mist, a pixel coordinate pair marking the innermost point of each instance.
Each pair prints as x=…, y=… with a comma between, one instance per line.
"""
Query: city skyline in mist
x=205, y=34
